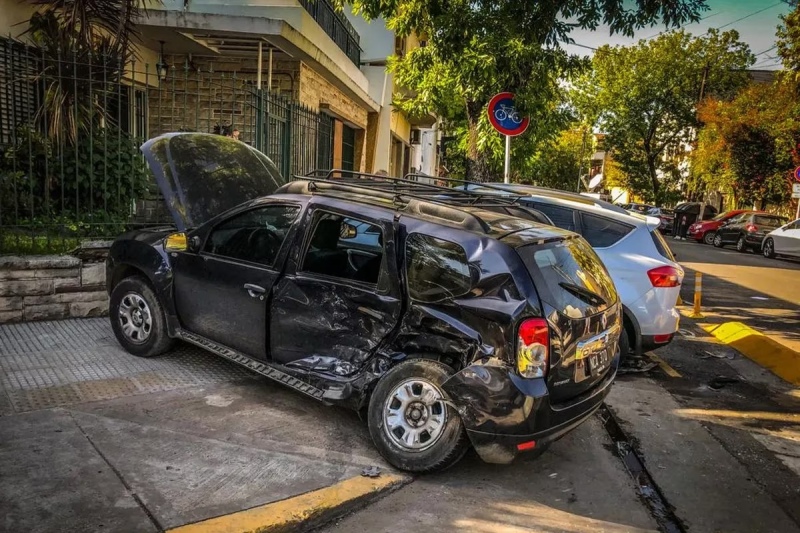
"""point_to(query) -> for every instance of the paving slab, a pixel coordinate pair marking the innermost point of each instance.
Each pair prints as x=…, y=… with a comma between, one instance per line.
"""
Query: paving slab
x=709, y=489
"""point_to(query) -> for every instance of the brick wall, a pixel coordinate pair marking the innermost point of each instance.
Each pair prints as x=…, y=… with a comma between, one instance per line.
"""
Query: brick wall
x=207, y=94
x=51, y=287
x=316, y=90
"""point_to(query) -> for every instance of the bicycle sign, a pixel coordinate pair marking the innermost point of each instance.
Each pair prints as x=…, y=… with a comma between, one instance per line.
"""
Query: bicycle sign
x=504, y=115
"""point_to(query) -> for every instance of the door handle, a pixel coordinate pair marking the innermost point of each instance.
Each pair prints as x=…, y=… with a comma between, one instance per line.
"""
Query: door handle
x=254, y=290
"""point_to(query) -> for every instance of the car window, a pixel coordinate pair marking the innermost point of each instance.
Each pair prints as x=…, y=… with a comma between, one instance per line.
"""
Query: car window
x=436, y=269
x=346, y=248
x=570, y=277
x=738, y=219
x=255, y=236
x=793, y=225
x=602, y=232
x=661, y=245
x=772, y=222
x=562, y=217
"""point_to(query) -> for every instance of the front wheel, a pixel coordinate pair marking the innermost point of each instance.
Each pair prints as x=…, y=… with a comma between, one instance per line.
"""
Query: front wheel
x=137, y=318
x=411, y=420
x=717, y=240
x=708, y=237
x=769, y=249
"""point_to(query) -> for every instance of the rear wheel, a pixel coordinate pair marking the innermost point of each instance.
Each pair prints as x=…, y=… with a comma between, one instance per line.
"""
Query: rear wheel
x=717, y=240
x=410, y=419
x=708, y=237
x=137, y=318
x=741, y=245
x=769, y=249
x=624, y=344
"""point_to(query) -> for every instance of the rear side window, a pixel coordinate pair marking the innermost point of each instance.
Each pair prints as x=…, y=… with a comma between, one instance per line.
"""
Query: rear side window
x=773, y=222
x=562, y=217
x=570, y=277
x=436, y=269
x=661, y=245
x=602, y=232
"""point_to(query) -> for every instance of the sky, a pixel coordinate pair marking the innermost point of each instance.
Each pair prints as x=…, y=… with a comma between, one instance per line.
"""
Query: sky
x=755, y=20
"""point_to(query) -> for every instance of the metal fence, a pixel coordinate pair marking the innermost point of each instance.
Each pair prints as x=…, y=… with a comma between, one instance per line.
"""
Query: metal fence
x=71, y=126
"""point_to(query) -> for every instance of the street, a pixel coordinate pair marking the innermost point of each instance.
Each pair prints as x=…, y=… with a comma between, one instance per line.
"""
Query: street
x=157, y=443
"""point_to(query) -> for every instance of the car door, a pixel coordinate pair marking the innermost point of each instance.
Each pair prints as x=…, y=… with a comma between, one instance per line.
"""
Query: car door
x=787, y=239
x=222, y=291
x=731, y=230
x=341, y=297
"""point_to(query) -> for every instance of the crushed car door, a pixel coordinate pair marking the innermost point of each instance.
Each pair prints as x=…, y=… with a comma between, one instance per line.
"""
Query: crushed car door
x=342, y=298
x=222, y=291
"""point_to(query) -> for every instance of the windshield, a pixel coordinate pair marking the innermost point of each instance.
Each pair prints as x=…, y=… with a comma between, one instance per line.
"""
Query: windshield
x=570, y=277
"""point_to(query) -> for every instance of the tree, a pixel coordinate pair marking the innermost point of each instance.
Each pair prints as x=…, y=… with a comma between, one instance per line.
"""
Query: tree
x=645, y=96
x=749, y=145
x=476, y=48
x=789, y=41
x=557, y=161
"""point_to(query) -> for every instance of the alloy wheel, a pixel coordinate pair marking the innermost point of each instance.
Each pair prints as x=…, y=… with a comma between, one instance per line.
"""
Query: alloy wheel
x=415, y=414
x=708, y=238
x=718, y=240
x=740, y=244
x=769, y=249
x=135, y=318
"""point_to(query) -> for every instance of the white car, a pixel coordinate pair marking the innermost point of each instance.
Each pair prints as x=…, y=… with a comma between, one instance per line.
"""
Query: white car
x=645, y=272
x=783, y=241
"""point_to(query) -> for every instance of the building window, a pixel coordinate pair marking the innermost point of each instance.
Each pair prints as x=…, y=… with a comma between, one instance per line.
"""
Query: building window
x=348, y=147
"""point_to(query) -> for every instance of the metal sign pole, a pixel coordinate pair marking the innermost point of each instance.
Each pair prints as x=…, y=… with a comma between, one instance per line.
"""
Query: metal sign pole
x=797, y=214
x=507, y=170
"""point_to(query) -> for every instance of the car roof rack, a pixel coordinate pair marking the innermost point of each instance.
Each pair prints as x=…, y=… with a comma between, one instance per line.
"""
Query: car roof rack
x=410, y=195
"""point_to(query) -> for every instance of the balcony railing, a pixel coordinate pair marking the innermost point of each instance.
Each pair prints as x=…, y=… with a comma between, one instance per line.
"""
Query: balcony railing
x=336, y=26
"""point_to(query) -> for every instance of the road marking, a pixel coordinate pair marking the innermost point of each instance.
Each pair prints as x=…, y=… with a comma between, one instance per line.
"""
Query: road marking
x=668, y=370
x=764, y=350
x=304, y=511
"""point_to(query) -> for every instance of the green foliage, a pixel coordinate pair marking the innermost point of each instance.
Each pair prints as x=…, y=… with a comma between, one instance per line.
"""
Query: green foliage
x=556, y=163
x=93, y=182
x=476, y=48
x=645, y=96
x=749, y=145
x=789, y=41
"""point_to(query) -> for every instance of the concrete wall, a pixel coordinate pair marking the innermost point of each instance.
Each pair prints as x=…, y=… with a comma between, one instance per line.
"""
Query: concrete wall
x=51, y=287
x=12, y=12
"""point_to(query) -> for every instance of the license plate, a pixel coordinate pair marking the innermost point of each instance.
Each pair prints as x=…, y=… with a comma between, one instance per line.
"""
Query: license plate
x=593, y=355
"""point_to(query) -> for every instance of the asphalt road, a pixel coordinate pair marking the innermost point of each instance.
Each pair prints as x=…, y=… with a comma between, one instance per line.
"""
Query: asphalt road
x=745, y=287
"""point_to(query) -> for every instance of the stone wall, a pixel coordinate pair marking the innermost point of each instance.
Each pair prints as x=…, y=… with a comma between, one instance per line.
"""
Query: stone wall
x=51, y=287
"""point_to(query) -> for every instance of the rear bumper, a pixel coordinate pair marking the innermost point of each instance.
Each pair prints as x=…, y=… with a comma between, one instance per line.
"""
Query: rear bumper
x=696, y=234
x=651, y=342
x=501, y=410
x=754, y=240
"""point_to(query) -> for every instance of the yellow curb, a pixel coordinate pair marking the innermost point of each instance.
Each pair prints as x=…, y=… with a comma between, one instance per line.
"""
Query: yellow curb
x=665, y=367
x=781, y=360
x=301, y=512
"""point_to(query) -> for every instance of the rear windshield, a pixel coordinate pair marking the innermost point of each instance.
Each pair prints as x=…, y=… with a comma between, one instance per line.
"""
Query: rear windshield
x=570, y=277
x=773, y=222
x=661, y=245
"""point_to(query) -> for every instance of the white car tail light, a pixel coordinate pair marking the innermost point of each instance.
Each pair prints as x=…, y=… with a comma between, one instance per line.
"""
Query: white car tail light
x=665, y=276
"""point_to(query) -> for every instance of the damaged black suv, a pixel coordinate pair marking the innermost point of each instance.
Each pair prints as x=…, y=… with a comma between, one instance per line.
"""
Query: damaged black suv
x=447, y=321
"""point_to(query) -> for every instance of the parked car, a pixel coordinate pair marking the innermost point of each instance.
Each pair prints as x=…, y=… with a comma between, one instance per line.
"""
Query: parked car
x=665, y=216
x=446, y=325
x=641, y=209
x=704, y=230
x=638, y=258
x=523, y=190
x=783, y=241
x=747, y=231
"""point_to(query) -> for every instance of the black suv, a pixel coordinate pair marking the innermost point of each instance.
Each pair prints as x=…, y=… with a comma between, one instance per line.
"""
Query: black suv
x=447, y=324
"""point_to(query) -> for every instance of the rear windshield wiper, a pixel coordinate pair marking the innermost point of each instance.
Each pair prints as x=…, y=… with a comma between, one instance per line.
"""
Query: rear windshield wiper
x=583, y=293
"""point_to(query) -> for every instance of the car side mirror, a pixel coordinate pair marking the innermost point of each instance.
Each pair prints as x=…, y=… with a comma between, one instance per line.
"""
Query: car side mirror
x=176, y=242
x=347, y=231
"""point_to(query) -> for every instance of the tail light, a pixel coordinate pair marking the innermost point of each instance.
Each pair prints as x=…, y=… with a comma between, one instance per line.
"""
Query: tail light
x=751, y=228
x=533, y=348
x=665, y=276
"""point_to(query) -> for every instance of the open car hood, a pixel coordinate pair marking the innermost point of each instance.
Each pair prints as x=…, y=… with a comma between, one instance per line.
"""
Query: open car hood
x=202, y=175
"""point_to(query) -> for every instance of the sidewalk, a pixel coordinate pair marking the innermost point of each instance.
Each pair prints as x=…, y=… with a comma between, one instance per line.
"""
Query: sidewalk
x=96, y=439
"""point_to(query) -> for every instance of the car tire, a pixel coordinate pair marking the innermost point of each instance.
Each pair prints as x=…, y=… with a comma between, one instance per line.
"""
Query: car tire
x=741, y=245
x=708, y=237
x=402, y=389
x=138, y=319
x=718, y=241
x=624, y=344
x=769, y=249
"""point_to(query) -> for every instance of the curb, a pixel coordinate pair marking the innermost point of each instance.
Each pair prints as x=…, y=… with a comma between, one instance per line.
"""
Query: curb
x=764, y=350
x=304, y=512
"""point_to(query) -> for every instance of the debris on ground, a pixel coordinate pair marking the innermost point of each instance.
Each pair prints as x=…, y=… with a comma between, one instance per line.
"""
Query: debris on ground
x=721, y=381
x=371, y=471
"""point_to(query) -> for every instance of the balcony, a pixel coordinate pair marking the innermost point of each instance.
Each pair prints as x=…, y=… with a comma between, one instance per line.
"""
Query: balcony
x=336, y=26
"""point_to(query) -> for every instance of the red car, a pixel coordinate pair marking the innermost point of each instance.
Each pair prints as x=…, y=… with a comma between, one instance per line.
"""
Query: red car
x=704, y=230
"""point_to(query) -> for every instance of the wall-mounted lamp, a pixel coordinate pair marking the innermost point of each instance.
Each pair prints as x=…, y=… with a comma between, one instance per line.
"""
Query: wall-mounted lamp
x=161, y=67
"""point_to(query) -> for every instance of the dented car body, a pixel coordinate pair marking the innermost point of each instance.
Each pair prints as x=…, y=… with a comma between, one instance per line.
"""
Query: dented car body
x=331, y=288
